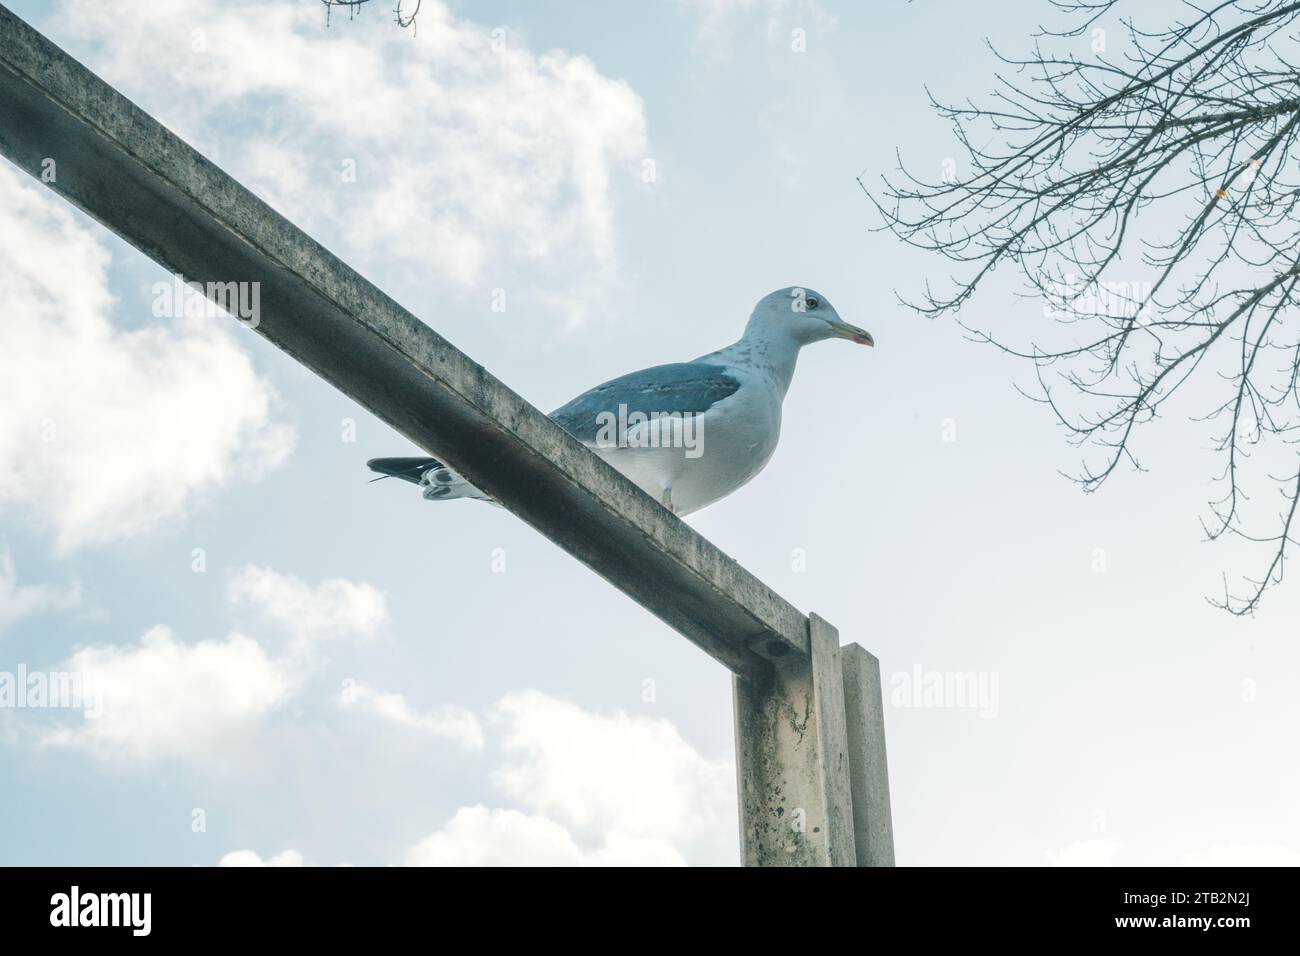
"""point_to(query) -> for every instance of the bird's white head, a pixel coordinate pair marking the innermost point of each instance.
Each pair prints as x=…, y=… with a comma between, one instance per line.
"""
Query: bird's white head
x=804, y=315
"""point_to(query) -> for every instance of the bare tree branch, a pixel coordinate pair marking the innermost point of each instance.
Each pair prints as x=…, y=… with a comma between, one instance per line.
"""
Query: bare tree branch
x=405, y=12
x=1067, y=165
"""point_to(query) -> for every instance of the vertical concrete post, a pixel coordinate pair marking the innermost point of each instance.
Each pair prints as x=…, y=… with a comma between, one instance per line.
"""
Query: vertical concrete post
x=792, y=761
x=868, y=771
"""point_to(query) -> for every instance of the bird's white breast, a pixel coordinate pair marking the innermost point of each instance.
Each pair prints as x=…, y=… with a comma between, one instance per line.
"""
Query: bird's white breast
x=733, y=441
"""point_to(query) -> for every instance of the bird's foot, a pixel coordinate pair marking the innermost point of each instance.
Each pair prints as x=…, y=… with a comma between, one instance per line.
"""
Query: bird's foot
x=666, y=499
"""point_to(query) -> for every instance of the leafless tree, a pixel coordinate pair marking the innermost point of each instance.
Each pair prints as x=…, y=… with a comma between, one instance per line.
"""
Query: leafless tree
x=406, y=10
x=1179, y=153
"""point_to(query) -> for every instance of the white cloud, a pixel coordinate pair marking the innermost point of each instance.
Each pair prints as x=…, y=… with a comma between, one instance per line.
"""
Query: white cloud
x=334, y=609
x=1243, y=854
x=477, y=836
x=162, y=698
x=165, y=698
x=1086, y=853
x=597, y=790
x=249, y=858
x=593, y=790
x=611, y=773
x=19, y=600
x=108, y=432
x=450, y=721
x=1103, y=853
x=472, y=154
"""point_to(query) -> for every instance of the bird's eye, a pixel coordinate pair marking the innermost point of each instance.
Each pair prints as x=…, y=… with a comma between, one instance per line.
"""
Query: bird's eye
x=813, y=302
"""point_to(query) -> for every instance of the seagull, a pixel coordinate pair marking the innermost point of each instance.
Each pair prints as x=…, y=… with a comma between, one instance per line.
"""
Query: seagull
x=687, y=433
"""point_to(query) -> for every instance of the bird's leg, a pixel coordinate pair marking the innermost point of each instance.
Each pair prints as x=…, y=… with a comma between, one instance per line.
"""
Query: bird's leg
x=666, y=499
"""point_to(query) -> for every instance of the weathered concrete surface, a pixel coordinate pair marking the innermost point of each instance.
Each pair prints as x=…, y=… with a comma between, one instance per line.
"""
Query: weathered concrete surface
x=868, y=770
x=141, y=181
x=792, y=761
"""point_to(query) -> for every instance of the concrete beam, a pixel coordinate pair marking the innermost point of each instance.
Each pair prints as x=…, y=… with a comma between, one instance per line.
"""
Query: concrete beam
x=873, y=826
x=140, y=180
x=792, y=761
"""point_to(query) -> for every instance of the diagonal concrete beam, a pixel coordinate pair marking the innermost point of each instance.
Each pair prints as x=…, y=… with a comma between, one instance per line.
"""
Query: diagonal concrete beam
x=144, y=183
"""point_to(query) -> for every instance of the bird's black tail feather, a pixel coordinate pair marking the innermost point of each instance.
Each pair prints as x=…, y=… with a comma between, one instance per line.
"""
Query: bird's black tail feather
x=408, y=469
x=439, y=482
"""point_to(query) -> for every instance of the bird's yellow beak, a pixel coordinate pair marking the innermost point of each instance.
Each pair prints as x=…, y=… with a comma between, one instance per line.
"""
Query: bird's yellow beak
x=843, y=330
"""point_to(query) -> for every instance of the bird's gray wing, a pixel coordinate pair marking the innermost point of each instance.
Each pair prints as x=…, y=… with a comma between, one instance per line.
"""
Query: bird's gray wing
x=685, y=387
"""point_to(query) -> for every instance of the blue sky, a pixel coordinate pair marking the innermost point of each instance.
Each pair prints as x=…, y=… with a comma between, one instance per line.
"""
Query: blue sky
x=359, y=676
